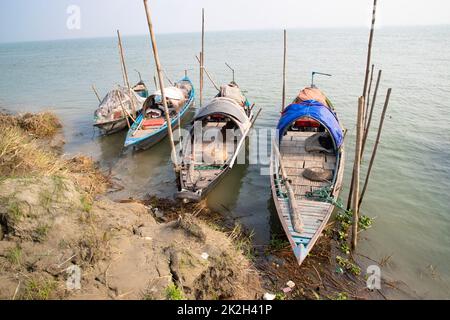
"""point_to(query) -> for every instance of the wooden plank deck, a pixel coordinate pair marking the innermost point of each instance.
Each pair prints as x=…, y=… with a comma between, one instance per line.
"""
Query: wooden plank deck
x=296, y=160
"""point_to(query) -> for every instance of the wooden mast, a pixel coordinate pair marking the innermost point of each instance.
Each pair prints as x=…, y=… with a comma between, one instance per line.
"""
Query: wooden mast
x=125, y=74
x=202, y=57
x=283, y=99
x=208, y=75
x=161, y=85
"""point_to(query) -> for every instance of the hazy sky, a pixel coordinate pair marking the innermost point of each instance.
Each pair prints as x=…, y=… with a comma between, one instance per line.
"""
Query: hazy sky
x=23, y=20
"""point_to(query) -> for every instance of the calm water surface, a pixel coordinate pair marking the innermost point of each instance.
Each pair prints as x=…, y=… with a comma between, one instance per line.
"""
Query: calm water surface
x=409, y=189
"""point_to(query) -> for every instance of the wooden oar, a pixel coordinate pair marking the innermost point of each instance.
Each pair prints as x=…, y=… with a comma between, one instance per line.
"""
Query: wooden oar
x=296, y=219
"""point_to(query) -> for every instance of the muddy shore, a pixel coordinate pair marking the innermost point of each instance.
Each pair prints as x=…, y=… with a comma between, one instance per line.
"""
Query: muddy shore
x=62, y=237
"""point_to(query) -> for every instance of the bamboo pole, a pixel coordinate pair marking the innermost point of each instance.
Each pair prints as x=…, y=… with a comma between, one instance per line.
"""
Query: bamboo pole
x=96, y=93
x=208, y=75
x=161, y=85
x=283, y=99
x=202, y=56
x=125, y=74
x=125, y=113
x=356, y=171
x=296, y=219
x=367, y=128
x=368, y=98
x=366, y=80
x=377, y=142
x=369, y=51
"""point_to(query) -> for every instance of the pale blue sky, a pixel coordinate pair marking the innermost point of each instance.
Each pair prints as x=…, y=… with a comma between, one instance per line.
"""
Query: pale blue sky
x=25, y=20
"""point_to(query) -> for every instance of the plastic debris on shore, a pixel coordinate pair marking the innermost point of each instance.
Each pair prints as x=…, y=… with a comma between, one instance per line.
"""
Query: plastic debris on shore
x=269, y=296
x=205, y=255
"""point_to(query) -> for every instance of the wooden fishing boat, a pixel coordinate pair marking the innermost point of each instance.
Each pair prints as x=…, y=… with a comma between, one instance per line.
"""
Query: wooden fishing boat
x=306, y=168
x=141, y=89
x=151, y=126
x=115, y=110
x=218, y=133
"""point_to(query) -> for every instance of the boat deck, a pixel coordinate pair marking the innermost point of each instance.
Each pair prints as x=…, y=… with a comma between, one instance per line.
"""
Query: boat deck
x=314, y=214
x=213, y=156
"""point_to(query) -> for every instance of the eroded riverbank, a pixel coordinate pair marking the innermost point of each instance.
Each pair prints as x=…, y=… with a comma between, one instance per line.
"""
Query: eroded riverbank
x=62, y=237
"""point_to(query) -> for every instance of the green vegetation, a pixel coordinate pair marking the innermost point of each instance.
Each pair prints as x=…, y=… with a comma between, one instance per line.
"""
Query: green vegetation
x=348, y=265
x=174, y=293
x=38, y=289
x=40, y=233
x=86, y=203
x=280, y=296
x=14, y=211
x=14, y=255
x=243, y=241
x=277, y=244
x=340, y=296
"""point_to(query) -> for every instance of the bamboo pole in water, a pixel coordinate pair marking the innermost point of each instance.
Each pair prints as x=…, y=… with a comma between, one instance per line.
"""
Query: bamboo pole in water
x=125, y=74
x=96, y=93
x=366, y=80
x=283, y=99
x=208, y=75
x=202, y=57
x=367, y=128
x=368, y=99
x=369, y=51
x=377, y=142
x=356, y=171
x=161, y=85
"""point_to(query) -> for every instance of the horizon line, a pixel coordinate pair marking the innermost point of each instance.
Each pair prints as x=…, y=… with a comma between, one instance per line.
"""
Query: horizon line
x=218, y=31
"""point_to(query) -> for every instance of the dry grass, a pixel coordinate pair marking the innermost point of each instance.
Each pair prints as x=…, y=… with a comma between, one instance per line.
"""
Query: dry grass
x=20, y=155
x=41, y=125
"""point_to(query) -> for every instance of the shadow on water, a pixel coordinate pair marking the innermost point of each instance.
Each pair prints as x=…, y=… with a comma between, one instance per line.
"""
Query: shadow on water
x=224, y=196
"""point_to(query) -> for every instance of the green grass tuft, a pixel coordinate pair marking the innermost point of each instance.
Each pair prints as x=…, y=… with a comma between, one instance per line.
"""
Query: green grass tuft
x=14, y=255
x=38, y=289
x=174, y=293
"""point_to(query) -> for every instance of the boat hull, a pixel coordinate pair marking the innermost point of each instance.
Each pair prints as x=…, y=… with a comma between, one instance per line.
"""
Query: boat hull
x=186, y=194
x=145, y=142
x=111, y=127
x=315, y=214
x=150, y=141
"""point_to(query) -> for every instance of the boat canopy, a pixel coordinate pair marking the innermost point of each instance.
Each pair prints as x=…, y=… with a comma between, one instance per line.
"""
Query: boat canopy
x=311, y=94
x=314, y=110
x=171, y=93
x=227, y=107
x=115, y=100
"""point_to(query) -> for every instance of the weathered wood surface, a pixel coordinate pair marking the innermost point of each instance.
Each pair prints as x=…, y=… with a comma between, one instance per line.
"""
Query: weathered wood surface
x=296, y=160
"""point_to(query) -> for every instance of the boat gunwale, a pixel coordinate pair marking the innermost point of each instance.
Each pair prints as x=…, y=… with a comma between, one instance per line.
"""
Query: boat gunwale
x=136, y=141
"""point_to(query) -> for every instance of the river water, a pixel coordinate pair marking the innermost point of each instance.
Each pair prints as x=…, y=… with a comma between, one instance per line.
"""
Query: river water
x=409, y=190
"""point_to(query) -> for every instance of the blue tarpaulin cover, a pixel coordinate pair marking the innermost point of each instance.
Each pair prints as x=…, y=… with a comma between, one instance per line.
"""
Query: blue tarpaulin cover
x=314, y=110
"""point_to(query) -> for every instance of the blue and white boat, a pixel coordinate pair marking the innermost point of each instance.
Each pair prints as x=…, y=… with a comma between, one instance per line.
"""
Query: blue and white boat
x=150, y=126
x=306, y=168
